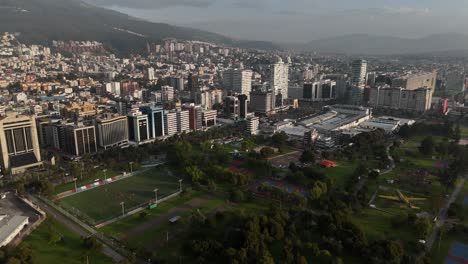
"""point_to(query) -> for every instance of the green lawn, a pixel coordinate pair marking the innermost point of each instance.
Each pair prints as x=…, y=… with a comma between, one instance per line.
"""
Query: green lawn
x=70, y=250
x=341, y=172
x=158, y=233
x=104, y=202
x=377, y=225
x=118, y=228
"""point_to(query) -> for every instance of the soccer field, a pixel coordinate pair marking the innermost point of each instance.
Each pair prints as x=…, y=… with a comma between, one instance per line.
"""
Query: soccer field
x=103, y=202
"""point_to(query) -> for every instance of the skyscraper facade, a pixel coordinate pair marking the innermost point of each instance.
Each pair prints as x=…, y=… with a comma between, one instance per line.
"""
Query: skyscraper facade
x=19, y=143
x=359, y=73
x=238, y=81
x=279, y=79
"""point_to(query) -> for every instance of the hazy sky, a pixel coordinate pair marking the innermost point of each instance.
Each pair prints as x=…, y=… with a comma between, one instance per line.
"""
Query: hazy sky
x=303, y=20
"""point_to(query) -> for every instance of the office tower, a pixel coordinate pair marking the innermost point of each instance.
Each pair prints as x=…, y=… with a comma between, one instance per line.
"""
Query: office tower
x=209, y=118
x=183, y=121
x=19, y=143
x=150, y=74
x=253, y=125
x=177, y=83
x=356, y=95
x=138, y=127
x=113, y=88
x=243, y=105
x=261, y=102
x=155, y=120
x=195, y=116
x=238, y=81
x=112, y=131
x=167, y=94
x=359, y=73
x=418, y=100
x=231, y=107
x=279, y=80
x=320, y=91
x=80, y=139
x=170, y=123
x=192, y=86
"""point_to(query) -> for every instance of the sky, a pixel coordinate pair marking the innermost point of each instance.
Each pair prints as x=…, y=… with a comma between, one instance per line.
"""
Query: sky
x=295, y=21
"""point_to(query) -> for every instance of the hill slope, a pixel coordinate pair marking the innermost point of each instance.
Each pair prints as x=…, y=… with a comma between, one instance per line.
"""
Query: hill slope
x=41, y=21
x=381, y=45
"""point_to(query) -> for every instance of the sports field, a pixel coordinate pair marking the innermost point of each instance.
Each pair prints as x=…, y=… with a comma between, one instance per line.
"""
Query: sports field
x=103, y=203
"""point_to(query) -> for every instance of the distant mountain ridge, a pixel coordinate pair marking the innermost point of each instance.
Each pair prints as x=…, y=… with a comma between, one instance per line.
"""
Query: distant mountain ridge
x=385, y=45
x=41, y=21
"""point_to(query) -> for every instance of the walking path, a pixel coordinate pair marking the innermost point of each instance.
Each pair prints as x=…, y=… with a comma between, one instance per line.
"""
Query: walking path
x=442, y=216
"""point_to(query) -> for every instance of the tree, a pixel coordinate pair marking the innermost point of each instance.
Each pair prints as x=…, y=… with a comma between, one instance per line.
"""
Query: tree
x=422, y=226
x=54, y=236
x=307, y=156
x=237, y=196
x=92, y=243
x=266, y=152
x=195, y=173
x=457, y=133
x=319, y=189
x=279, y=139
x=266, y=258
x=427, y=146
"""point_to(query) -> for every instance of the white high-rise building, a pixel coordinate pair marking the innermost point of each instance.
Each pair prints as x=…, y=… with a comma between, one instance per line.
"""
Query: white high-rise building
x=279, y=78
x=167, y=93
x=151, y=75
x=359, y=73
x=183, y=121
x=238, y=81
x=170, y=123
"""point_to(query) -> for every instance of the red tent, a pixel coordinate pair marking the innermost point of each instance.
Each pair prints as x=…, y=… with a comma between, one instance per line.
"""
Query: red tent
x=328, y=163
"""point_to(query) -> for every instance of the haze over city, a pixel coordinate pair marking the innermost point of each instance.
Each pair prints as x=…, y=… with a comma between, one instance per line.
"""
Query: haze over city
x=303, y=20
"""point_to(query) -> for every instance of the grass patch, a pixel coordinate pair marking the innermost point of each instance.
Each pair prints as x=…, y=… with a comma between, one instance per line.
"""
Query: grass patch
x=341, y=173
x=119, y=228
x=104, y=202
x=70, y=250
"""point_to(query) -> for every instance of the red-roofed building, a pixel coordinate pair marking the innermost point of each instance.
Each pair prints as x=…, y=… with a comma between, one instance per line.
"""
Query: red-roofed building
x=328, y=163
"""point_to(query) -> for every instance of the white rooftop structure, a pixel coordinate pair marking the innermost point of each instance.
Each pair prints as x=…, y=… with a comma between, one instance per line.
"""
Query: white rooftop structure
x=10, y=228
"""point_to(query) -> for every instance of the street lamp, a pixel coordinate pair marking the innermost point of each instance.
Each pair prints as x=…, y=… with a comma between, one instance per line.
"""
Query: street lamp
x=131, y=167
x=123, y=208
x=180, y=185
x=156, y=194
x=74, y=179
x=105, y=175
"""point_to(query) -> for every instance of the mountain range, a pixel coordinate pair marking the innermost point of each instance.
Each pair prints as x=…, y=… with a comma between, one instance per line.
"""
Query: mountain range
x=385, y=45
x=41, y=21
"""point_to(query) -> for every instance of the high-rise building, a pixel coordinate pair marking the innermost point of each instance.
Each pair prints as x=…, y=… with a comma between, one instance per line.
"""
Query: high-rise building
x=195, y=116
x=112, y=131
x=19, y=143
x=155, y=120
x=167, y=93
x=80, y=139
x=279, y=80
x=170, y=123
x=359, y=73
x=183, y=121
x=262, y=102
x=238, y=81
x=253, y=125
x=177, y=83
x=243, y=103
x=209, y=118
x=138, y=127
x=418, y=100
x=319, y=91
x=192, y=86
x=231, y=107
x=151, y=75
